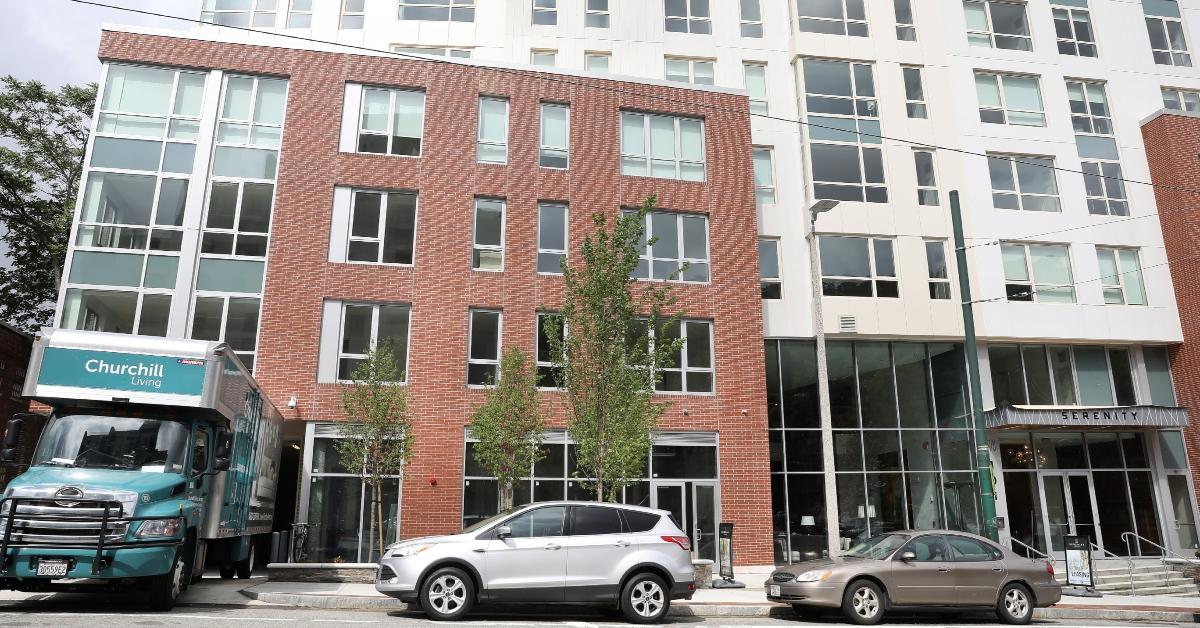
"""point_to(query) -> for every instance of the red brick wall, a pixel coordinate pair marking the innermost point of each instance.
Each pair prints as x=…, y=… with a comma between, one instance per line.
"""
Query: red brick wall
x=440, y=285
x=1173, y=151
x=14, y=359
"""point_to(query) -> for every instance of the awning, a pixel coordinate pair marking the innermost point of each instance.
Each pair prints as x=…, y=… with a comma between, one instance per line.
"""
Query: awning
x=1014, y=417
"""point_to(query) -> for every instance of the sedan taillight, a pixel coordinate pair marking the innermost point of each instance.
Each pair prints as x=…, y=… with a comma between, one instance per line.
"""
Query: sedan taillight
x=1050, y=568
x=683, y=542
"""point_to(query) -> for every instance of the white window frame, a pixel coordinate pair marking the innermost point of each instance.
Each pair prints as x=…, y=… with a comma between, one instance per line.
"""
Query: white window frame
x=1096, y=123
x=998, y=80
x=593, y=16
x=1034, y=288
x=476, y=247
x=752, y=25
x=253, y=15
x=566, y=235
x=1187, y=99
x=235, y=232
x=544, y=8
x=1064, y=11
x=390, y=134
x=692, y=22
x=925, y=190
x=764, y=189
x=540, y=361
x=758, y=102
x=851, y=27
x=939, y=287
x=538, y=56
x=647, y=252
x=915, y=107
x=590, y=56
x=432, y=51
x=1179, y=57
x=684, y=368
x=875, y=277
x=495, y=364
x=348, y=18
x=1118, y=282
x=226, y=297
x=451, y=7
x=374, y=333
x=648, y=158
x=302, y=15
x=379, y=229
x=692, y=76
x=547, y=150
x=1016, y=177
x=974, y=37
x=479, y=141
x=765, y=280
x=864, y=123
x=905, y=30
x=1104, y=190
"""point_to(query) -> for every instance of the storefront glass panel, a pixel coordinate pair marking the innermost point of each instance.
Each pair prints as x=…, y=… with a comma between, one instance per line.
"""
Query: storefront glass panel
x=1024, y=511
x=1181, y=509
x=961, y=494
x=1104, y=451
x=1060, y=450
x=1112, y=505
x=807, y=521
x=1145, y=511
x=924, y=500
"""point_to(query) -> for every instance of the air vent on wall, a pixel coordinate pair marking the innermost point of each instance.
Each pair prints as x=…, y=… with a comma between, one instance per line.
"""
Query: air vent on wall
x=847, y=324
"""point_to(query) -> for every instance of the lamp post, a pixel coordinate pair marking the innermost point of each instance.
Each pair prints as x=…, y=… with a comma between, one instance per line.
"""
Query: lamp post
x=833, y=535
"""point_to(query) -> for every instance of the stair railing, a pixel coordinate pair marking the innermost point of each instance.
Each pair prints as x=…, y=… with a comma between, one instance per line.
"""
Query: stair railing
x=1128, y=536
x=1029, y=548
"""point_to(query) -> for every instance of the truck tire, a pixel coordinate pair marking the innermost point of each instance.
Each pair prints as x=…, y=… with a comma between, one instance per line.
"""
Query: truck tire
x=165, y=588
x=246, y=566
x=227, y=571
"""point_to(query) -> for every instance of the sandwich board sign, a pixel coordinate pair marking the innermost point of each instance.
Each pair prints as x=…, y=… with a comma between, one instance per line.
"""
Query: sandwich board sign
x=1079, y=560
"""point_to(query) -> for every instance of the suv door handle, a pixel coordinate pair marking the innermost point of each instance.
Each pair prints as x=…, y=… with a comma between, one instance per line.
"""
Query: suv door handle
x=623, y=543
x=552, y=546
x=943, y=570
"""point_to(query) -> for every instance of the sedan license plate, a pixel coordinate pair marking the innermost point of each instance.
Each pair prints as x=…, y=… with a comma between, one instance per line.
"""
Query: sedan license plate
x=52, y=568
x=773, y=590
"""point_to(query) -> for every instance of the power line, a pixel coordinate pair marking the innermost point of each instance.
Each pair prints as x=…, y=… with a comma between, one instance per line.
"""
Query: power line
x=1030, y=293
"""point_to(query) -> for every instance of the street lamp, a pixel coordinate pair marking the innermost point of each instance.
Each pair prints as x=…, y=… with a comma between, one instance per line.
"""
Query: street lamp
x=833, y=534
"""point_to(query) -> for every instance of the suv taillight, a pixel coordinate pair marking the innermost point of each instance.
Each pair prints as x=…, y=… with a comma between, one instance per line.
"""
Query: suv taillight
x=683, y=542
x=1050, y=568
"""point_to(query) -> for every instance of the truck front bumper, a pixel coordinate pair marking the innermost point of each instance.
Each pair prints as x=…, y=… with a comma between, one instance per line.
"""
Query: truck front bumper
x=128, y=562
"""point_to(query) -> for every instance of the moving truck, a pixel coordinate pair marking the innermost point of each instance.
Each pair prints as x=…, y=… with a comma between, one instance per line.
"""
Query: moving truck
x=160, y=455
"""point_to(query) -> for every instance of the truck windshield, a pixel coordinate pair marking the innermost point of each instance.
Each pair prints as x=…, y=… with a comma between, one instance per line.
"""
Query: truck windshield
x=113, y=442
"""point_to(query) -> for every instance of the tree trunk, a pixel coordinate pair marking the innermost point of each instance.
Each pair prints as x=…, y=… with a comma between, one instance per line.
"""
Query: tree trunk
x=506, y=496
x=379, y=517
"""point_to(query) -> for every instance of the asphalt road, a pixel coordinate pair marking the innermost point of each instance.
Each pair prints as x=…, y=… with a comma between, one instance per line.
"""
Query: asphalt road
x=40, y=614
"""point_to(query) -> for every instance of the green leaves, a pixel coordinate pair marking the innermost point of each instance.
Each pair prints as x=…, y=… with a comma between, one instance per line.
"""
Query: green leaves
x=43, y=134
x=378, y=430
x=509, y=424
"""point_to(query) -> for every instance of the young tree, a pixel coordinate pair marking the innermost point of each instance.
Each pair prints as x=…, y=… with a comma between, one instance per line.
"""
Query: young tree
x=509, y=424
x=377, y=437
x=43, y=134
x=606, y=356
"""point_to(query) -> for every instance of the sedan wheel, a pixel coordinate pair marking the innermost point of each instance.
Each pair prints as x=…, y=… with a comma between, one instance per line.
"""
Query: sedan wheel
x=645, y=599
x=447, y=594
x=862, y=603
x=1015, y=605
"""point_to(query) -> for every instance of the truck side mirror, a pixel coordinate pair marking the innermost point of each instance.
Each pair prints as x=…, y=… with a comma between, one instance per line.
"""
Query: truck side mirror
x=224, y=448
x=11, y=437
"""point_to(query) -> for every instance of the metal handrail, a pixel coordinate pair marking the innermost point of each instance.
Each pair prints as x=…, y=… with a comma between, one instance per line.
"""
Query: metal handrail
x=1029, y=548
x=1125, y=536
x=1104, y=551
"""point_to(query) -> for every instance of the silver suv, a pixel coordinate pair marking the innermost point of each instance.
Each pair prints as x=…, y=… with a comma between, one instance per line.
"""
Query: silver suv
x=627, y=557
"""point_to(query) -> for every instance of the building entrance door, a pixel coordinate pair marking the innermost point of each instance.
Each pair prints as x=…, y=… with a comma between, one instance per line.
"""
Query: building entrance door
x=1181, y=510
x=695, y=507
x=1070, y=507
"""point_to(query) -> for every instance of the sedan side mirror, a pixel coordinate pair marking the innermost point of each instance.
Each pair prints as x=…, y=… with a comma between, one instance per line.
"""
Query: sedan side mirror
x=908, y=556
x=503, y=532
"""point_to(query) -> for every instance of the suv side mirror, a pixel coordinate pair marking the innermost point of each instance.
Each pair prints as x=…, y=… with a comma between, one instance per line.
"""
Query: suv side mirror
x=11, y=437
x=503, y=532
x=223, y=450
x=908, y=556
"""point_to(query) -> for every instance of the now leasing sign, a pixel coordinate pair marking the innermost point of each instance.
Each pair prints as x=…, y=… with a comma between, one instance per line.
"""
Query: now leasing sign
x=121, y=372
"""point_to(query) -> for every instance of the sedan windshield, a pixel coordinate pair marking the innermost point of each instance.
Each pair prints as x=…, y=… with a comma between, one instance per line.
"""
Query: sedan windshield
x=113, y=442
x=877, y=547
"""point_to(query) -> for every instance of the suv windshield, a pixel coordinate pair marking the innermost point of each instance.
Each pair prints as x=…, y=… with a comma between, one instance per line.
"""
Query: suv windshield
x=877, y=547
x=479, y=525
x=113, y=442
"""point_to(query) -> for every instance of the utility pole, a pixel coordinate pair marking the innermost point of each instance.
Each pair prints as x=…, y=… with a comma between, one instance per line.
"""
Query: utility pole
x=982, y=455
x=832, y=531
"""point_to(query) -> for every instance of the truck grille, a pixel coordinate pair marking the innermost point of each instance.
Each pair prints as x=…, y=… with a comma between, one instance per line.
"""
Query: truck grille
x=46, y=522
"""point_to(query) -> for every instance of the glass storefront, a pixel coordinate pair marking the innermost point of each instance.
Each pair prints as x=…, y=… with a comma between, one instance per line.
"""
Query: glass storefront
x=902, y=445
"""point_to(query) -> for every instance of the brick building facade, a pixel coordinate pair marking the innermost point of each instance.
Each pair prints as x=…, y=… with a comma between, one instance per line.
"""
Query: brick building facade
x=15, y=346
x=303, y=286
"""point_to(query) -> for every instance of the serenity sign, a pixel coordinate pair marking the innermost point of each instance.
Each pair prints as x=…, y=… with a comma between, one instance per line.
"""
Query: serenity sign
x=1123, y=416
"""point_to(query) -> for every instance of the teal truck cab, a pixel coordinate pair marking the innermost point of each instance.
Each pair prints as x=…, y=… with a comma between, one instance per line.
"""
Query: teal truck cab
x=160, y=455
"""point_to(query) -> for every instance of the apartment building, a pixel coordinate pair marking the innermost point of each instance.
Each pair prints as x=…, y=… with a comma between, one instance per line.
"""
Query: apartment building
x=858, y=101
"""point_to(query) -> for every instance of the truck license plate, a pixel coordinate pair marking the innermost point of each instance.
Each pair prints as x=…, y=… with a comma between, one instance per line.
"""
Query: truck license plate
x=52, y=568
x=773, y=590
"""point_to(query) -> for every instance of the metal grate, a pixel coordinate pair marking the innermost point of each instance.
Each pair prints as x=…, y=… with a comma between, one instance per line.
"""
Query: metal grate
x=847, y=324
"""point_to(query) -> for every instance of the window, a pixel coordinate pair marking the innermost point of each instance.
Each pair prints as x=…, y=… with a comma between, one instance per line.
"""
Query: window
x=687, y=16
x=666, y=147
x=927, y=191
x=1050, y=375
x=1165, y=25
x=1158, y=372
x=681, y=250
x=751, y=16
x=591, y=520
x=833, y=17
x=364, y=327
x=1009, y=99
x=438, y=10
x=433, y=51
x=928, y=548
x=1181, y=99
x=555, y=134
x=994, y=24
x=756, y=87
x=939, y=272
x=1023, y=182
x=546, y=58
x=538, y=523
x=906, y=29
x=1037, y=272
x=1121, y=276
x=392, y=121
x=383, y=228
x=965, y=550
x=353, y=14
x=1104, y=188
x=768, y=268
x=545, y=12
x=597, y=62
x=914, y=92
x=843, y=115
x=116, y=311
x=694, y=71
x=596, y=14
x=238, y=219
x=256, y=13
x=1089, y=108
x=853, y=266
x=483, y=353
x=552, y=238
x=300, y=14
x=228, y=318
x=1073, y=27
x=492, y=146
x=1092, y=121
x=764, y=175
x=548, y=374
x=488, y=251
x=690, y=369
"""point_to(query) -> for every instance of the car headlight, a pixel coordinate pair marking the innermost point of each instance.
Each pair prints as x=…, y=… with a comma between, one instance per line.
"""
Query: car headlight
x=159, y=528
x=814, y=575
x=408, y=550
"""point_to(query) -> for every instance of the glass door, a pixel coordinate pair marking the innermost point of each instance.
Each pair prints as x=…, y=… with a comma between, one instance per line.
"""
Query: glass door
x=669, y=496
x=1070, y=507
x=704, y=520
x=1181, y=509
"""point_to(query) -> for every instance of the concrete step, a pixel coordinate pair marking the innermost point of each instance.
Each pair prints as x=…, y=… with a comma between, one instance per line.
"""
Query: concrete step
x=1182, y=590
x=1139, y=584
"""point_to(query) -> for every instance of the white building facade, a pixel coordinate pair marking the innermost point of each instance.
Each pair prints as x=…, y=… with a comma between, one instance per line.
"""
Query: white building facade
x=1031, y=110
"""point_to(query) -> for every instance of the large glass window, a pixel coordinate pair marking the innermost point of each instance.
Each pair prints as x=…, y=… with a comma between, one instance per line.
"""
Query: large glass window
x=256, y=13
x=545, y=12
x=689, y=369
x=685, y=70
x=680, y=250
x=488, y=250
x=687, y=16
x=438, y=10
x=233, y=319
x=914, y=92
x=764, y=175
x=483, y=348
x=596, y=14
x=768, y=268
x=751, y=18
x=996, y=24
x=844, y=131
x=353, y=14
x=667, y=147
x=1158, y=372
x=299, y=14
x=1009, y=99
x=1037, y=272
x=1068, y=375
x=364, y=327
x=1073, y=28
x=383, y=227
x=554, y=135
x=392, y=121
x=492, y=146
x=1023, y=182
x=756, y=86
x=1121, y=276
x=552, y=238
x=853, y=266
x=1181, y=99
x=927, y=191
x=1168, y=41
x=939, y=272
x=906, y=29
x=238, y=220
x=548, y=374
x=834, y=17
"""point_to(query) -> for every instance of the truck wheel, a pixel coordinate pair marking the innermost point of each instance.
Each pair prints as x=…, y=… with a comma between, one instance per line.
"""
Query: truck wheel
x=165, y=589
x=245, y=567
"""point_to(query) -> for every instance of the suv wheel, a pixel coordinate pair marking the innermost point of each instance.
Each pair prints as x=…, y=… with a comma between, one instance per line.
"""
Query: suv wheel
x=448, y=593
x=1015, y=606
x=645, y=599
x=862, y=603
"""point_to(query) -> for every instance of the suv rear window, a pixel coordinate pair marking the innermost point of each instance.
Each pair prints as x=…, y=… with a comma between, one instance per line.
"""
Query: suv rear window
x=639, y=521
x=596, y=520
